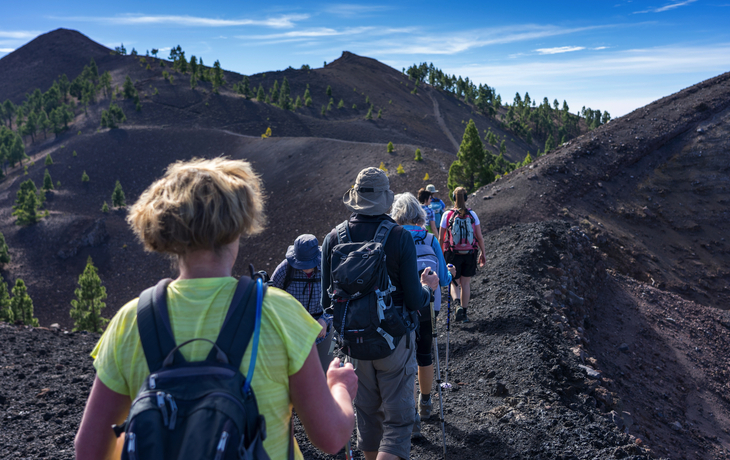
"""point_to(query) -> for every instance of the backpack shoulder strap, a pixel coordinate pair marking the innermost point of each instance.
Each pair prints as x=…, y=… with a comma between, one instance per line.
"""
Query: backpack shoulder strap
x=287, y=277
x=383, y=231
x=343, y=233
x=238, y=327
x=153, y=324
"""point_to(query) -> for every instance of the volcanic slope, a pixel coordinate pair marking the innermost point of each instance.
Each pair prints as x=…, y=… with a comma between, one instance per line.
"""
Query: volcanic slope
x=306, y=166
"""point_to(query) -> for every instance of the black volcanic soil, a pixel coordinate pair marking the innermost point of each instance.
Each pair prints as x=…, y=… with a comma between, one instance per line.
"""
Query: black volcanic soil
x=539, y=373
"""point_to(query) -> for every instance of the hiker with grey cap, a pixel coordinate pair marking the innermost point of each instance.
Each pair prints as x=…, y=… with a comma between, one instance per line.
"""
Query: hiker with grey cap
x=384, y=403
x=299, y=274
x=437, y=205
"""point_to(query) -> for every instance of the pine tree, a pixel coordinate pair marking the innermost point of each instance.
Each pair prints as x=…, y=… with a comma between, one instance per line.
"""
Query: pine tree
x=22, y=305
x=90, y=295
x=284, y=96
x=369, y=115
x=390, y=147
x=341, y=104
x=128, y=89
x=298, y=102
x=274, y=92
x=260, y=94
x=193, y=81
x=324, y=110
x=218, y=80
x=4, y=250
x=47, y=181
x=307, y=97
x=527, y=160
x=26, y=203
x=400, y=169
x=329, y=91
x=380, y=113
x=549, y=143
x=6, y=313
x=118, y=199
x=418, y=155
x=468, y=170
x=382, y=167
x=502, y=147
x=246, y=87
x=426, y=177
x=105, y=208
x=49, y=160
x=84, y=177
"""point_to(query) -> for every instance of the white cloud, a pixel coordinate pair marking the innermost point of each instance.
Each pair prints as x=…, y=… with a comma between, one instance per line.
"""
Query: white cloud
x=559, y=49
x=6, y=50
x=352, y=10
x=18, y=35
x=600, y=48
x=279, y=22
x=308, y=33
x=456, y=43
x=671, y=6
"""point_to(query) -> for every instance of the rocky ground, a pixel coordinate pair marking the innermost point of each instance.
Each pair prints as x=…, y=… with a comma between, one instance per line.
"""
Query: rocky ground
x=563, y=359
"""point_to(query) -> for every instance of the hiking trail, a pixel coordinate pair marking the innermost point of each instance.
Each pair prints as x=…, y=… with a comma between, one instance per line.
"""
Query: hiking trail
x=440, y=120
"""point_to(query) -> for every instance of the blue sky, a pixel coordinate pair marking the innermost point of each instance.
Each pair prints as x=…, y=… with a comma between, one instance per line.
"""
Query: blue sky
x=613, y=56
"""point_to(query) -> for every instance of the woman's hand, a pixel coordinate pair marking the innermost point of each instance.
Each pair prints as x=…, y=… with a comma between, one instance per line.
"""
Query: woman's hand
x=482, y=259
x=323, y=332
x=344, y=376
x=452, y=270
x=429, y=279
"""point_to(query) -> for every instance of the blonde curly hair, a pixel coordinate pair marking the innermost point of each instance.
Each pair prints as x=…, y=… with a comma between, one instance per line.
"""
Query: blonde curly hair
x=199, y=204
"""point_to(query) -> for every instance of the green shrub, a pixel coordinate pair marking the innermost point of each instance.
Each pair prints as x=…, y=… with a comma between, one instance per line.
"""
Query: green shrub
x=90, y=295
x=418, y=155
x=49, y=160
x=22, y=305
x=84, y=177
x=390, y=147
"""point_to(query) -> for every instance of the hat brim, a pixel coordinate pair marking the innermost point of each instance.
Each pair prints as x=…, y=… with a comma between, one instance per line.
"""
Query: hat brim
x=303, y=264
x=368, y=203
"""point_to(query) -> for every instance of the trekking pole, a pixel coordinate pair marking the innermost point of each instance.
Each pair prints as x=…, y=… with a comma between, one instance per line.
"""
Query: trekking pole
x=348, y=445
x=446, y=383
x=438, y=376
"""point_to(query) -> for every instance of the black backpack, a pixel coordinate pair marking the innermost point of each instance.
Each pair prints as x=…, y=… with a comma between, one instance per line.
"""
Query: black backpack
x=204, y=409
x=370, y=327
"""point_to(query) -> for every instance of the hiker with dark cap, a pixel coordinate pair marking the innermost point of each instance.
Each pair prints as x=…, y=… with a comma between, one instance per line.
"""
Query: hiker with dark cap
x=385, y=408
x=198, y=399
x=299, y=274
x=437, y=205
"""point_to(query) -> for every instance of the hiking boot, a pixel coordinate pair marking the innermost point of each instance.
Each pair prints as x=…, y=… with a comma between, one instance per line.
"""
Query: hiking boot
x=460, y=314
x=424, y=408
x=416, y=433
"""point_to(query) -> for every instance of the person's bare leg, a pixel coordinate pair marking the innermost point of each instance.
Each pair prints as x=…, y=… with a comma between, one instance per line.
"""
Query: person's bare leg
x=425, y=379
x=455, y=290
x=465, y=290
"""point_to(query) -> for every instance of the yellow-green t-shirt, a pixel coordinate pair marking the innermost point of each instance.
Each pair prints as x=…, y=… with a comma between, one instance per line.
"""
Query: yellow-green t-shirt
x=197, y=308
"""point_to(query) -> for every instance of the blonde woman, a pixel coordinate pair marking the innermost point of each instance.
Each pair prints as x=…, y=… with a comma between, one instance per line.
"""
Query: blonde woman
x=461, y=237
x=196, y=213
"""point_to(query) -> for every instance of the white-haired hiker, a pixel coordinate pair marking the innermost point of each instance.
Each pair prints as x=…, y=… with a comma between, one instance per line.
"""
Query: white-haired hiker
x=408, y=213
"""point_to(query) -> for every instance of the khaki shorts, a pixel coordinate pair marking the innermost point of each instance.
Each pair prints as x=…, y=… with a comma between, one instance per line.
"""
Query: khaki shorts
x=384, y=402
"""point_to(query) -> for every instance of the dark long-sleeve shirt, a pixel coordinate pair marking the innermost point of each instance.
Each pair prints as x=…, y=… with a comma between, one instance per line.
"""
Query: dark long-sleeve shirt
x=400, y=253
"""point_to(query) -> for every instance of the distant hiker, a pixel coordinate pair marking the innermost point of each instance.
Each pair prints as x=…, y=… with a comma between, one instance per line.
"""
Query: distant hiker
x=408, y=213
x=384, y=401
x=424, y=197
x=437, y=206
x=196, y=213
x=300, y=274
x=461, y=238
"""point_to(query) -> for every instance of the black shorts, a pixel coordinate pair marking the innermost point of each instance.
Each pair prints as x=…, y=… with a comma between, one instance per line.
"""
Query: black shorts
x=465, y=264
x=424, y=341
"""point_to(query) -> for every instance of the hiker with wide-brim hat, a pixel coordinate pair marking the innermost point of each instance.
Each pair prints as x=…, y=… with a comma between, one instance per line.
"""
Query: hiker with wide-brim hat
x=197, y=213
x=384, y=401
x=299, y=274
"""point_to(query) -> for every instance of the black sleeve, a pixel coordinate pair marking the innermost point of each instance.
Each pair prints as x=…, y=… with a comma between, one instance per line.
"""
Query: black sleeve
x=326, y=259
x=415, y=295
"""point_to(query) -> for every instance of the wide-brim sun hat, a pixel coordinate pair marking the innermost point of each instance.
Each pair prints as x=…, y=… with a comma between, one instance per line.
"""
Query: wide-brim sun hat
x=371, y=195
x=431, y=188
x=305, y=253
